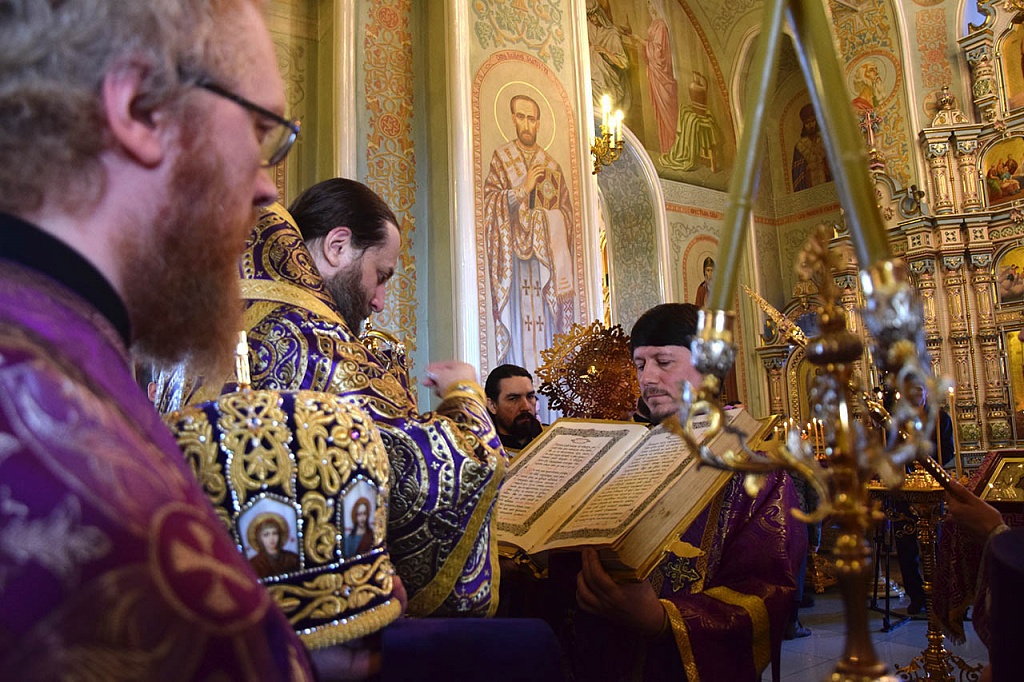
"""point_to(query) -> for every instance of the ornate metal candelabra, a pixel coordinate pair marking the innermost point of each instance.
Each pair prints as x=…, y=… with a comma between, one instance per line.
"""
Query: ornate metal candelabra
x=607, y=147
x=924, y=500
x=854, y=452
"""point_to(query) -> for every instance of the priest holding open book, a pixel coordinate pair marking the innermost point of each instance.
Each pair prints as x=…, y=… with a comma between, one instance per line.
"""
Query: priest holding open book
x=716, y=605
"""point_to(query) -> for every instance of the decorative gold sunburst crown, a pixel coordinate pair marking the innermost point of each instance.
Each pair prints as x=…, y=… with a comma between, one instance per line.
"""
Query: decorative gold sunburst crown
x=589, y=373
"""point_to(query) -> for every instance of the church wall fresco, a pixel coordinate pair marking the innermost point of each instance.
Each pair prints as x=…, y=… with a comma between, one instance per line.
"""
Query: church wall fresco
x=693, y=235
x=769, y=265
x=933, y=29
x=1015, y=361
x=529, y=256
x=632, y=239
x=691, y=266
x=390, y=150
x=293, y=28
x=794, y=150
x=385, y=159
x=792, y=237
x=655, y=61
x=694, y=227
x=869, y=40
x=534, y=26
x=900, y=84
x=802, y=145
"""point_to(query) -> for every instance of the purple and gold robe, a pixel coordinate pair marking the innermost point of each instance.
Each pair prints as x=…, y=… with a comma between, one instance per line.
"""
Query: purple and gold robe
x=446, y=466
x=728, y=592
x=113, y=564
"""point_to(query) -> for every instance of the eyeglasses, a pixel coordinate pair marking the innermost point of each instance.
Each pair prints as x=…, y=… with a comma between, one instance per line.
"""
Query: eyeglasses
x=277, y=141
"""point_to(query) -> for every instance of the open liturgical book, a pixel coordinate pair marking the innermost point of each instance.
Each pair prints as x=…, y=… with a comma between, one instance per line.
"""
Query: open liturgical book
x=624, y=488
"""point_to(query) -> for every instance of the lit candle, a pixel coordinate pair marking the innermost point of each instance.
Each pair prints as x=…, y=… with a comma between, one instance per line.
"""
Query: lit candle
x=956, y=444
x=606, y=110
x=618, y=127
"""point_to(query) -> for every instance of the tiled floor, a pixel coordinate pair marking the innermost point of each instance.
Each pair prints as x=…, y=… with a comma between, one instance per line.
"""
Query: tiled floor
x=812, y=659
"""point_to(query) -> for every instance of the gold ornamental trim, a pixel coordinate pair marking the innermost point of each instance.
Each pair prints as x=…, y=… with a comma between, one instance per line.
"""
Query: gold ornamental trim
x=495, y=566
x=706, y=540
x=279, y=292
x=359, y=625
x=469, y=389
x=755, y=608
x=682, y=636
x=430, y=598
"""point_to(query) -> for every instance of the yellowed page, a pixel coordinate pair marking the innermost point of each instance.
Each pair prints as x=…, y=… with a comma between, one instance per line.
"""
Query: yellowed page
x=635, y=484
x=552, y=476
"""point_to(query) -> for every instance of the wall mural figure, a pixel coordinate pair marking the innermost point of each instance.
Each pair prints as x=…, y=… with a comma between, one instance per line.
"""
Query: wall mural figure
x=674, y=98
x=705, y=287
x=699, y=258
x=867, y=84
x=661, y=75
x=1013, y=342
x=697, y=132
x=874, y=82
x=1010, y=276
x=608, y=58
x=810, y=163
x=1004, y=177
x=529, y=225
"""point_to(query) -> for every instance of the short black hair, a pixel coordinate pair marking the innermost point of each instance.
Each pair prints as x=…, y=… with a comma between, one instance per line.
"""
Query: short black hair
x=668, y=324
x=493, y=386
x=340, y=202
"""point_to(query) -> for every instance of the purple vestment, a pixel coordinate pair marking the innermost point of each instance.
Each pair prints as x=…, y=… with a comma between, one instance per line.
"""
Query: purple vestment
x=446, y=466
x=113, y=564
x=727, y=604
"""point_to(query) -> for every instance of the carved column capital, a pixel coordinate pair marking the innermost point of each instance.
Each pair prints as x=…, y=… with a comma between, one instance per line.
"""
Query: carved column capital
x=966, y=147
x=922, y=268
x=953, y=263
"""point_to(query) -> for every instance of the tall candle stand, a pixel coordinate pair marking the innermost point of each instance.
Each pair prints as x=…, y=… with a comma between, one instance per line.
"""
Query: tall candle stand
x=892, y=315
x=924, y=496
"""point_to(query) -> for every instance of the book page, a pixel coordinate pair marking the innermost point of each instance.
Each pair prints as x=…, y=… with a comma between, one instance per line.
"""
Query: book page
x=632, y=487
x=568, y=454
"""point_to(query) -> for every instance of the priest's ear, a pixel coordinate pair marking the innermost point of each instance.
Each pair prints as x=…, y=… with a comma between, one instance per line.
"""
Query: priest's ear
x=336, y=247
x=141, y=132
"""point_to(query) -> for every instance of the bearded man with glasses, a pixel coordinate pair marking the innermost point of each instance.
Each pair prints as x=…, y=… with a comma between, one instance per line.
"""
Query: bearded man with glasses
x=128, y=185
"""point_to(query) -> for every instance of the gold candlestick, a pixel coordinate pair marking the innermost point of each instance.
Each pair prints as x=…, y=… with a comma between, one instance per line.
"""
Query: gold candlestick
x=924, y=496
x=748, y=158
x=607, y=147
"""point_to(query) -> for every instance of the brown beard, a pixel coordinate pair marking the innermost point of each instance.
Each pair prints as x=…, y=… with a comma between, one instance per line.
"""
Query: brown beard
x=344, y=288
x=181, y=273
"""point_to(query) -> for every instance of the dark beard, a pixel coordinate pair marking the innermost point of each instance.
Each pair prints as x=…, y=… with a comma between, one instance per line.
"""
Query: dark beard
x=344, y=289
x=181, y=273
x=525, y=427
